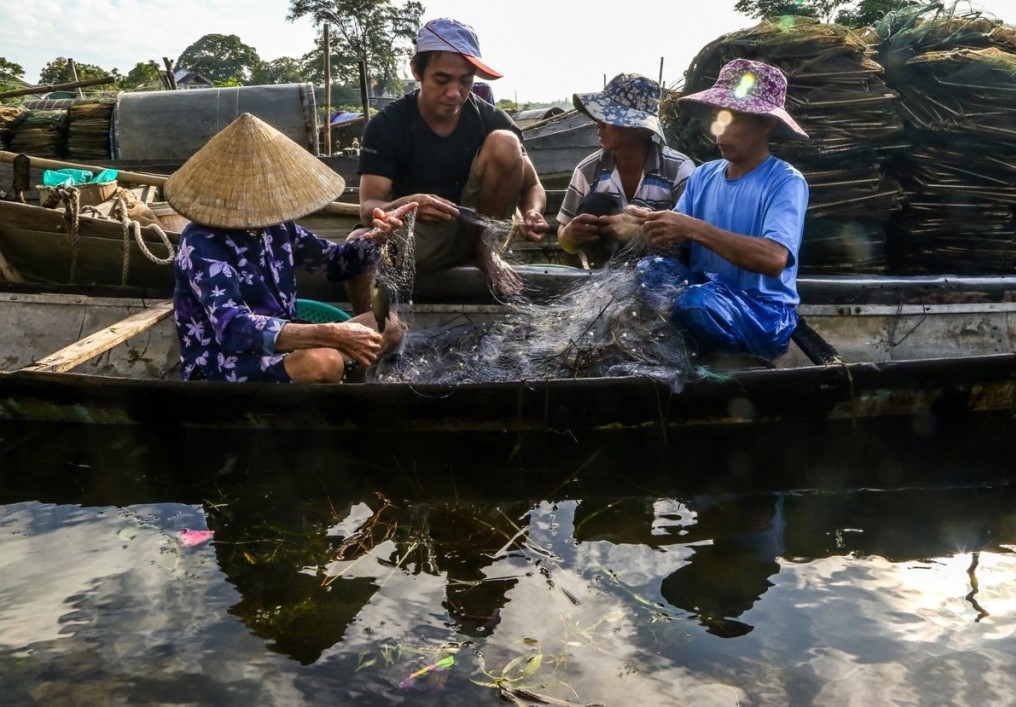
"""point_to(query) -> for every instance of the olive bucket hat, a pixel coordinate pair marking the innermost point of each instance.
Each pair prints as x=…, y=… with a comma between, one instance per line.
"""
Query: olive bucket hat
x=746, y=86
x=628, y=101
x=250, y=175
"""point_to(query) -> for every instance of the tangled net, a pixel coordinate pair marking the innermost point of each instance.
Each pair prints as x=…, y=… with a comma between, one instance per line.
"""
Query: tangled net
x=603, y=327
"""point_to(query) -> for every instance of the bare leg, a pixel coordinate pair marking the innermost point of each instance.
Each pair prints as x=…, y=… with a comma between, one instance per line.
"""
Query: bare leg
x=501, y=167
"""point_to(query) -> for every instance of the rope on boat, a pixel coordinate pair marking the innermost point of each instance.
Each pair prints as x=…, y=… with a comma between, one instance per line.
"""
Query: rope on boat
x=130, y=226
x=71, y=199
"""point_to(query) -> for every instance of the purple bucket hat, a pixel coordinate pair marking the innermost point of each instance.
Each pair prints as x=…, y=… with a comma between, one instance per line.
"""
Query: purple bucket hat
x=747, y=86
x=628, y=101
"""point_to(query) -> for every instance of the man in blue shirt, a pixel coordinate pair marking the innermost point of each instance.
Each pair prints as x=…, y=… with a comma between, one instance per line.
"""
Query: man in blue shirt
x=741, y=220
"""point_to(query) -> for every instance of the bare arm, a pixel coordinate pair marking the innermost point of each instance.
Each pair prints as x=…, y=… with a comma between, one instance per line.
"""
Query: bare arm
x=760, y=255
x=532, y=203
x=376, y=193
x=354, y=340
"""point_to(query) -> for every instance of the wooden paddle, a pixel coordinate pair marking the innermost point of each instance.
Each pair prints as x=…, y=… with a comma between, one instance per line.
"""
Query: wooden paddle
x=101, y=341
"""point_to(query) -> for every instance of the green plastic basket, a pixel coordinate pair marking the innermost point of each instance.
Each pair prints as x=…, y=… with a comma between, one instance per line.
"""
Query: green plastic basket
x=314, y=312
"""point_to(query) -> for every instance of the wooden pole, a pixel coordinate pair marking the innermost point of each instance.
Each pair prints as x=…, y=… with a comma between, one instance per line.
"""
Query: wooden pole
x=661, y=76
x=155, y=180
x=103, y=340
x=170, y=73
x=328, y=92
x=364, y=94
x=57, y=87
x=74, y=76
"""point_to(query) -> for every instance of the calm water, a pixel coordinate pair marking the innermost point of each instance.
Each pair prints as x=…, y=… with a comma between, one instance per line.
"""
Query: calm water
x=759, y=566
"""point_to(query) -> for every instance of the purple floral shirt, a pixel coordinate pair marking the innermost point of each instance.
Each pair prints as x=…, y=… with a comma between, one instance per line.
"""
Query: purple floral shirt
x=235, y=290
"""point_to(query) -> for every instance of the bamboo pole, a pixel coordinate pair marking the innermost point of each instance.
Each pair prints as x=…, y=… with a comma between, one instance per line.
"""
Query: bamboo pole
x=57, y=87
x=155, y=180
x=74, y=76
x=328, y=92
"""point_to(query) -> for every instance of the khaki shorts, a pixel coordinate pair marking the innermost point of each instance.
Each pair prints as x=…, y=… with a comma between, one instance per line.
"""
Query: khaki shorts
x=448, y=244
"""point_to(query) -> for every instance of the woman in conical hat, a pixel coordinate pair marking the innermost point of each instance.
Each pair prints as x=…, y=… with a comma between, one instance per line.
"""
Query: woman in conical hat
x=235, y=294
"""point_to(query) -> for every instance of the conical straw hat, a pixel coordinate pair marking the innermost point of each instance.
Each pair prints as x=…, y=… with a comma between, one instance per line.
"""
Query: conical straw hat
x=250, y=175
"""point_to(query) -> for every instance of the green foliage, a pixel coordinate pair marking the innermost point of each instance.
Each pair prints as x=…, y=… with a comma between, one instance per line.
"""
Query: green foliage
x=143, y=75
x=852, y=14
x=282, y=70
x=376, y=32
x=223, y=59
x=58, y=71
x=8, y=69
x=869, y=12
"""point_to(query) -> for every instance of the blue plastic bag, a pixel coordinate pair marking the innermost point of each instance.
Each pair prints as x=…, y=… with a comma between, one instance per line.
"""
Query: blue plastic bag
x=69, y=177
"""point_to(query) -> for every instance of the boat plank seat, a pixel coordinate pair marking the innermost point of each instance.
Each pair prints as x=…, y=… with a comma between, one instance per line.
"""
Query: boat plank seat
x=101, y=341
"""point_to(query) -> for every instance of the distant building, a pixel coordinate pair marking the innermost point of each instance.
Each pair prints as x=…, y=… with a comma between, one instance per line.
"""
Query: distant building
x=186, y=80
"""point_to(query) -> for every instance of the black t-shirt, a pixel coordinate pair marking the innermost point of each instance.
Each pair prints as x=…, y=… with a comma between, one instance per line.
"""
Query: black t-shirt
x=400, y=146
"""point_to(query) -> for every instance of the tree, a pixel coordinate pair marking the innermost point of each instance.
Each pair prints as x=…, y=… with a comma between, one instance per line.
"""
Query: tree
x=768, y=9
x=860, y=14
x=10, y=70
x=282, y=70
x=376, y=32
x=869, y=12
x=11, y=75
x=222, y=59
x=58, y=71
x=144, y=74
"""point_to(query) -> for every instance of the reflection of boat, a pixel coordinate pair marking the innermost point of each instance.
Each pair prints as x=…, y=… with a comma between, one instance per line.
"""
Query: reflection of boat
x=929, y=350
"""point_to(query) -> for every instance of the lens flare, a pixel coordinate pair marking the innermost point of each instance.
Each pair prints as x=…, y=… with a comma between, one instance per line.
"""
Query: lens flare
x=720, y=122
x=745, y=85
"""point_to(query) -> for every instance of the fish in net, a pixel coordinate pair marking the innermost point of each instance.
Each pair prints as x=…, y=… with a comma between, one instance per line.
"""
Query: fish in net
x=395, y=273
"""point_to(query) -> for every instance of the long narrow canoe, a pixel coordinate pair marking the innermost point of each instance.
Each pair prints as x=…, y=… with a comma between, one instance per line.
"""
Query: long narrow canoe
x=928, y=350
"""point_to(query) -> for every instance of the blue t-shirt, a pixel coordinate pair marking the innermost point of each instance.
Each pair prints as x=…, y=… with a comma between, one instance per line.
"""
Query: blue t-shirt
x=768, y=202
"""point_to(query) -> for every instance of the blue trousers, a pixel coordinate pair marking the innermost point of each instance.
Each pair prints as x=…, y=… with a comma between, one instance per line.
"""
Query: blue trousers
x=712, y=314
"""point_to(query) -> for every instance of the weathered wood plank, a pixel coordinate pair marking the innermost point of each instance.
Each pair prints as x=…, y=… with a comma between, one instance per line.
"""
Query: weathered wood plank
x=101, y=341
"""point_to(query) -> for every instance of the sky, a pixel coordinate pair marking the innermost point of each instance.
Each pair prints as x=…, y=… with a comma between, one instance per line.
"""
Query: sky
x=546, y=49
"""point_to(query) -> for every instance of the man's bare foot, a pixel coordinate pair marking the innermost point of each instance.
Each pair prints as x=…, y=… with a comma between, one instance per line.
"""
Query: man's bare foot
x=502, y=277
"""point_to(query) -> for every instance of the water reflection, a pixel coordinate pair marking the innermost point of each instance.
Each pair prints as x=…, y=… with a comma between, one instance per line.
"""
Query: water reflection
x=611, y=573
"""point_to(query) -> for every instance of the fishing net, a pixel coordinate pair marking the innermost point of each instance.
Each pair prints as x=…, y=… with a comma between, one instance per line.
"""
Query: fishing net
x=40, y=133
x=88, y=129
x=8, y=114
x=395, y=274
x=603, y=327
x=955, y=71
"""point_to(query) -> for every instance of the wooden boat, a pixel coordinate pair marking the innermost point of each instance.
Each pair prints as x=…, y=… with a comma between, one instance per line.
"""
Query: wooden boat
x=558, y=143
x=927, y=350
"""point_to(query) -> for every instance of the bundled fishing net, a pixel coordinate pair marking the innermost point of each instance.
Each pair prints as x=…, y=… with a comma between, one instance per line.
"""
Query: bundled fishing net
x=955, y=71
x=603, y=327
x=88, y=129
x=837, y=93
x=8, y=114
x=42, y=133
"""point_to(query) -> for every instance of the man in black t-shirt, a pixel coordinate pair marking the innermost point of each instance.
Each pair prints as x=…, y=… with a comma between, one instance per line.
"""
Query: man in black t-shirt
x=442, y=146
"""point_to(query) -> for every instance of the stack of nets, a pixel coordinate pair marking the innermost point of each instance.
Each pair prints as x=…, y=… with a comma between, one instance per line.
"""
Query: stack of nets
x=836, y=92
x=42, y=133
x=8, y=114
x=956, y=76
x=88, y=129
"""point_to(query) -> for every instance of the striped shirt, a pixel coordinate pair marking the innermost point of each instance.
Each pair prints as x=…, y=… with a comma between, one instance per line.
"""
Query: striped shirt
x=663, y=177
